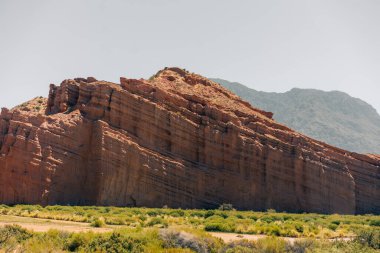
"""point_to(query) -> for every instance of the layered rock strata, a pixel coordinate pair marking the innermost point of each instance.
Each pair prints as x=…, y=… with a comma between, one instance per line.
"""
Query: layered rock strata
x=179, y=140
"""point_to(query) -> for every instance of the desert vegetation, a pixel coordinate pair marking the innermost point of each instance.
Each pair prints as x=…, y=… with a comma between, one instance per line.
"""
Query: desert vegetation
x=177, y=230
x=17, y=239
x=267, y=223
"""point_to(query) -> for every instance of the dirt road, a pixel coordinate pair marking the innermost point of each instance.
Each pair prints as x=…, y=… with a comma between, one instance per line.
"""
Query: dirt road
x=44, y=225
x=230, y=237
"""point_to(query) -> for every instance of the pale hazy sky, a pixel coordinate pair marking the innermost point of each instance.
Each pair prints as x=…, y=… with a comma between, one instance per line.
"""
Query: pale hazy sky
x=270, y=45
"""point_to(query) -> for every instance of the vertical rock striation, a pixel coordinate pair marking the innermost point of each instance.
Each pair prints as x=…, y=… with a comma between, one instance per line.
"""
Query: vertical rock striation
x=180, y=140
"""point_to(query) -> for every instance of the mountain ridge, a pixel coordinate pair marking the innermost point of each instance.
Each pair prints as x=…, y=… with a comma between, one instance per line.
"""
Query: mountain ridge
x=331, y=116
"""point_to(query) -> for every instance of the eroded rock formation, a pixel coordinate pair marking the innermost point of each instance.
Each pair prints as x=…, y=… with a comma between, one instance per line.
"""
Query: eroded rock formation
x=177, y=139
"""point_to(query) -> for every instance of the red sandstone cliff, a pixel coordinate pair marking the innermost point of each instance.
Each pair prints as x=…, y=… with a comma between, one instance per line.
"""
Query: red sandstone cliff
x=179, y=140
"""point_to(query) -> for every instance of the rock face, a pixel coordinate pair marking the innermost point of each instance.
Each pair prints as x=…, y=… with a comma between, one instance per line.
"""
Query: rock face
x=179, y=140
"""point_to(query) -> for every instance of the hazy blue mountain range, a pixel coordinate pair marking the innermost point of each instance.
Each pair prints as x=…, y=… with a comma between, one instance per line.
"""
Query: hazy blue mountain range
x=333, y=117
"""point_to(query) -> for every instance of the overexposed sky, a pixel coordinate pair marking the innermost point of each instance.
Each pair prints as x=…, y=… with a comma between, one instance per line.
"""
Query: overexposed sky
x=270, y=45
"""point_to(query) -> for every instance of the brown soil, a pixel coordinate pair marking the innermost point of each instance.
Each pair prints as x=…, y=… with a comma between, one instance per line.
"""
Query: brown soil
x=44, y=225
x=230, y=237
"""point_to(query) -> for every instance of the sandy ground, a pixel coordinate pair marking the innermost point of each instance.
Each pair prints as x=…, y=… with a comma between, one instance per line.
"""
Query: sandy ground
x=230, y=237
x=44, y=225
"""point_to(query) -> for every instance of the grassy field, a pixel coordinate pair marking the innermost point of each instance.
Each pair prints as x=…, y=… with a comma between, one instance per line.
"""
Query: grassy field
x=176, y=230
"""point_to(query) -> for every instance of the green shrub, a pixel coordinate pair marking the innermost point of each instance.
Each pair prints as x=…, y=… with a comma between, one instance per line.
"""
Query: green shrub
x=224, y=215
x=240, y=246
x=271, y=245
x=98, y=222
x=115, y=221
x=300, y=246
x=177, y=213
x=197, y=214
x=173, y=239
x=152, y=213
x=333, y=226
x=114, y=244
x=219, y=226
x=298, y=227
x=51, y=241
x=369, y=237
x=374, y=223
x=253, y=217
x=273, y=230
x=209, y=213
x=136, y=211
x=15, y=232
x=157, y=221
x=106, y=209
x=142, y=217
x=75, y=242
x=268, y=219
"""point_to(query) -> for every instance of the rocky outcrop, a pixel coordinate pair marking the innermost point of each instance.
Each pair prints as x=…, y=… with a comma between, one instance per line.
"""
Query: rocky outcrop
x=177, y=139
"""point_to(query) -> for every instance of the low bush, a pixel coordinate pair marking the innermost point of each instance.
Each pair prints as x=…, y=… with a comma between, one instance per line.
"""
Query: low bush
x=152, y=213
x=115, y=221
x=197, y=214
x=274, y=230
x=173, y=239
x=98, y=222
x=336, y=222
x=177, y=213
x=369, y=237
x=268, y=219
x=271, y=245
x=220, y=226
x=157, y=221
x=241, y=246
x=298, y=227
x=300, y=246
x=374, y=223
x=14, y=232
x=114, y=244
x=209, y=213
x=333, y=226
x=253, y=217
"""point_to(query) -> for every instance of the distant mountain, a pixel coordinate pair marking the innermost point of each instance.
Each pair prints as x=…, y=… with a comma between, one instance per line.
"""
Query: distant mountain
x=333, y=117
